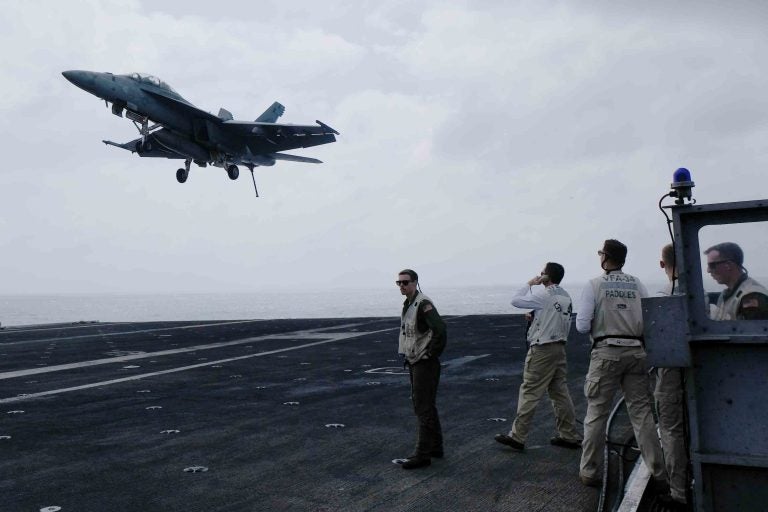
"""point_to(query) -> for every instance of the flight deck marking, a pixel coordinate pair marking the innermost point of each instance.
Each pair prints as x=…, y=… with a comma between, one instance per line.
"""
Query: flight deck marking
x=305, y=334
x=398, y=370
x=461, y=361
x=140, y=331
x=337, y=337
x=390, y=370
x=196, y=469
x=21, y=328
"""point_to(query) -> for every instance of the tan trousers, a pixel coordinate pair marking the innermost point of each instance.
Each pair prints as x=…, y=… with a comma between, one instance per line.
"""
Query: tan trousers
x=545, y=372
x=669, y=404
x=611, y=368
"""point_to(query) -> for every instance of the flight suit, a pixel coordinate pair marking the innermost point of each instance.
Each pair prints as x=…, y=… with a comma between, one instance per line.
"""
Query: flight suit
x=422, y=340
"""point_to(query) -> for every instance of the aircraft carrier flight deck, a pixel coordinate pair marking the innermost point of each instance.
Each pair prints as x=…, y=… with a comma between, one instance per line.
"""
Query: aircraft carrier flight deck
x=272, y=415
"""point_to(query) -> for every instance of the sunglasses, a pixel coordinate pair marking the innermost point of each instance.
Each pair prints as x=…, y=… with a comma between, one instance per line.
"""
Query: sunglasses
x=404, y=282
x=712, y=265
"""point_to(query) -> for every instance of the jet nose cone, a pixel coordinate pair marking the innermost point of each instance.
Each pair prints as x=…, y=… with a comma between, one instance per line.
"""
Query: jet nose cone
x=83, y=79
x=78, y=77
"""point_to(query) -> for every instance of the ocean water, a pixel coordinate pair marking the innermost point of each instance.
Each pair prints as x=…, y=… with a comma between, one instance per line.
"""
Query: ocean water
x=333, y=303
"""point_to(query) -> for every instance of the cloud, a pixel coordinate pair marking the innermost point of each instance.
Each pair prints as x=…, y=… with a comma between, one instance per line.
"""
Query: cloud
x=478, y=139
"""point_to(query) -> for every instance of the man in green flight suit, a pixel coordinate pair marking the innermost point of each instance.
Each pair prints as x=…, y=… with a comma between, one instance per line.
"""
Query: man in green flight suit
x=422, y=339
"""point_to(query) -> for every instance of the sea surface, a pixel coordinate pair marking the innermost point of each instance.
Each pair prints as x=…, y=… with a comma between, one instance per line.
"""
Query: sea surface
x=18, y=310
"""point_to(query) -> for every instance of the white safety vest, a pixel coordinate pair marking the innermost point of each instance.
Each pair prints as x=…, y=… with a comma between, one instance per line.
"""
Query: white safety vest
x=413, y=344
x=727, y=309
x=618, y=316
x=553, y=321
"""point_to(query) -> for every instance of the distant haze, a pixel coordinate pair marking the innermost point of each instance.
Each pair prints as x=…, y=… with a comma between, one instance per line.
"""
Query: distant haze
x=479, y=140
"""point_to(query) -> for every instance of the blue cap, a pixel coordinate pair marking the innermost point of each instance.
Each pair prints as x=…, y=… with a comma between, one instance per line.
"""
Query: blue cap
x=682, y=174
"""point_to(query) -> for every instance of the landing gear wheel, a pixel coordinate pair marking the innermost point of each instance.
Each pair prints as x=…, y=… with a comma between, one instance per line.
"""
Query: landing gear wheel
x=233, y=172
x=182, y=175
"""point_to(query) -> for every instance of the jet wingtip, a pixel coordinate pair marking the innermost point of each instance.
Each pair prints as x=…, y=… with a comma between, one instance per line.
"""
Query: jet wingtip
x=325, y=126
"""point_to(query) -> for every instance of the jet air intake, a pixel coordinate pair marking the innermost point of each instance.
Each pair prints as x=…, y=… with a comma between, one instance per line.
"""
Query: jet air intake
x=181, y=145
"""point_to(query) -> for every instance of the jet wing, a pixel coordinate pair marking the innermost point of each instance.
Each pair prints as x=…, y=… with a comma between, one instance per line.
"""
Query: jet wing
x=183, y=106
x=269, y=130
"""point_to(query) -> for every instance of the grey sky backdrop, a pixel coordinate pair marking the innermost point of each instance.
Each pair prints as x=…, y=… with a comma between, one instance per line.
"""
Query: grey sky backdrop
x=478, y=139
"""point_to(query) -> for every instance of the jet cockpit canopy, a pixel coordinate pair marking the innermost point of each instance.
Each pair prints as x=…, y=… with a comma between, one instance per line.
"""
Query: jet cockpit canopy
x=150, y=79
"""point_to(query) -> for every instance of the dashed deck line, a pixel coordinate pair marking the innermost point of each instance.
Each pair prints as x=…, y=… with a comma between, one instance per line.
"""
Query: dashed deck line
x=125, y=333
x=14, y=329
x=303, y=334
x=334, y=338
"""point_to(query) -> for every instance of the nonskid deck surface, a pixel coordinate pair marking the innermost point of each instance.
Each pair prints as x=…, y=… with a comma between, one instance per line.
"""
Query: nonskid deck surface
x=273, y=415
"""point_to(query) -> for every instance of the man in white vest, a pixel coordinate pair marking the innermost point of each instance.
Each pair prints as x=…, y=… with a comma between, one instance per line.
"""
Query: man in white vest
x=422, y=339
x=545, y=369
x=669, y=406
x=744, y=298
x=611, y=313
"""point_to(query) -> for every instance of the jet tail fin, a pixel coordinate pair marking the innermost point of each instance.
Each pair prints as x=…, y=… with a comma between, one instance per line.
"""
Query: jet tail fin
x=271, y=114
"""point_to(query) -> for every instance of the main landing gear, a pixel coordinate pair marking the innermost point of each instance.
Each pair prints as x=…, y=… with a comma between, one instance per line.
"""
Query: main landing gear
x=232, y=171
x=142, y=124
x=183, y=174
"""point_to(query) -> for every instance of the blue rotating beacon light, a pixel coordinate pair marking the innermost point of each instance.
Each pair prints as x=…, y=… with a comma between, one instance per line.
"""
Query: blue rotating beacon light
x=681, y=185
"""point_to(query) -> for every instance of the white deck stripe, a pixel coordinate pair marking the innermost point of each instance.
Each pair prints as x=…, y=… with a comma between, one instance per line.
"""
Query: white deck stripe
x=635, y=487
x=125, y=333
x=309, y=333
x=337, y=337
x=13, y=329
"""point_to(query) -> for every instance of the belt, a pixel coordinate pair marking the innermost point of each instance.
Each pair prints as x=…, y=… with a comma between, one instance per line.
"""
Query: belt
x=603, y=343
x=600, y=341
x=561, y=342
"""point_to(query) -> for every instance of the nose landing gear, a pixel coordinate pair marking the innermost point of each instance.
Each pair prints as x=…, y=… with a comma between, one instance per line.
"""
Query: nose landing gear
x=183, y=174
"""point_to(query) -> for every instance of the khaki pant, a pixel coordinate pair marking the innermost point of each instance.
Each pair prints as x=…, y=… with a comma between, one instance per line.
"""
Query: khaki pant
x=545, y=372
x=669, y=404
x=611, y=368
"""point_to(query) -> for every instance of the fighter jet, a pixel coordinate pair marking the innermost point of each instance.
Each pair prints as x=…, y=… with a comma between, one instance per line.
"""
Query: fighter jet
x=171, y=127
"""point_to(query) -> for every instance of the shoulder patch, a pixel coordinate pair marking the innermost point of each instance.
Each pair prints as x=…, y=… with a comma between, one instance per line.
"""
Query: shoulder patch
x=750, y=302
x=427, y=307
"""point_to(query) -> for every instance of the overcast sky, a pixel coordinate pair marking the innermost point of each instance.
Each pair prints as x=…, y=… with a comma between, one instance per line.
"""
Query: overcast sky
x=478, y=139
